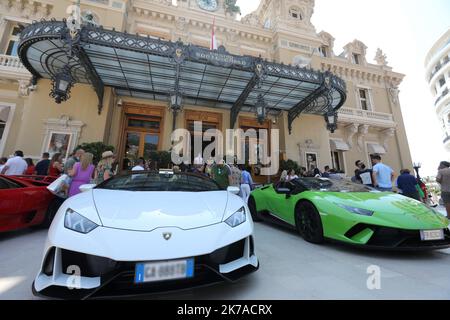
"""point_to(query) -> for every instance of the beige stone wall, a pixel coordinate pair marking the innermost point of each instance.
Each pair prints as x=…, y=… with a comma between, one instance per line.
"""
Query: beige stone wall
x=39, y=107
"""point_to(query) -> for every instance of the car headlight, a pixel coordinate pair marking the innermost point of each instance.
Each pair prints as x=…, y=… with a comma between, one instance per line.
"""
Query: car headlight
x=76, y=222
x=238, y=218
x=362, y=212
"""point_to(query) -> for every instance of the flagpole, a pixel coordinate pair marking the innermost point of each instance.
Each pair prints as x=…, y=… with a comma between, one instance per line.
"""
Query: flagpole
x=213, y=36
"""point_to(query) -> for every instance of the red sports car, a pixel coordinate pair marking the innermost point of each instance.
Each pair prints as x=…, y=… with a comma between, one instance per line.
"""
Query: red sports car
x=26, y=202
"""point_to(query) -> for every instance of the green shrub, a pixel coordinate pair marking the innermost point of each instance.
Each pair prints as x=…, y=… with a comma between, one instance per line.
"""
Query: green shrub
x=289, y=165
x=96, y=148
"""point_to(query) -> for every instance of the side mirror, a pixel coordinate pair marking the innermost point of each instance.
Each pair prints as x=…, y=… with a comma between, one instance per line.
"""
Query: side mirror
x=234, y=190
x=87, y=187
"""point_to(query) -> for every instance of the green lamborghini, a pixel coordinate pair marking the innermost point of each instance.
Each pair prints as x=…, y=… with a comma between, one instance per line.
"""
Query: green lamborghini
x=337, y=210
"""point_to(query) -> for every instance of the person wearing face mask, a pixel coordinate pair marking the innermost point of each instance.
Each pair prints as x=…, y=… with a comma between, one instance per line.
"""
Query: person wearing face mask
x=75, y=158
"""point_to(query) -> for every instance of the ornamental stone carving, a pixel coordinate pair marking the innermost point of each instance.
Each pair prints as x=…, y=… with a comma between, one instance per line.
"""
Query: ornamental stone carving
x=24, y=88
x=181, y=24
x=362, y=132
x=385, y=135
x=381, y=58
x=251, y=19
x=351, y=130
x=394, y=93
x=29, y=9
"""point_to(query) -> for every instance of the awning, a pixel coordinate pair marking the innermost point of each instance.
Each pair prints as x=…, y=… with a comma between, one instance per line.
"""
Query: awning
x=339, y=145
x=375, y=148
x=4, y=113
x=148, y=68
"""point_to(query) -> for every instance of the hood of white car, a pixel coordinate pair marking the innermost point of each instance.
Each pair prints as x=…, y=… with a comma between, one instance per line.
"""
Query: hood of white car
x=147, y=211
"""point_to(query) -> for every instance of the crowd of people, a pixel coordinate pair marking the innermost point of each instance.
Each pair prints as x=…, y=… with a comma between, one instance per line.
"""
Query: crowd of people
x=80, y=169
x=225, y=175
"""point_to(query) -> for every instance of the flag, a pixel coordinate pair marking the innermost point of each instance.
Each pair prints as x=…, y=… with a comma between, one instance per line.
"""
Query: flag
x=213, y=36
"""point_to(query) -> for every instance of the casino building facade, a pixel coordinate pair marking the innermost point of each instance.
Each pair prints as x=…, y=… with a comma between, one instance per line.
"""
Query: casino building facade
x=127, y=73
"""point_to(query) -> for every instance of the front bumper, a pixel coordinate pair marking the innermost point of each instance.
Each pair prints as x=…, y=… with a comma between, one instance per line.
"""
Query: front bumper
x=102, y=277
x=385, y=238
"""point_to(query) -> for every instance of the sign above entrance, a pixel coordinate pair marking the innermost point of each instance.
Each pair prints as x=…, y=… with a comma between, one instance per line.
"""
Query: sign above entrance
x=221, y=58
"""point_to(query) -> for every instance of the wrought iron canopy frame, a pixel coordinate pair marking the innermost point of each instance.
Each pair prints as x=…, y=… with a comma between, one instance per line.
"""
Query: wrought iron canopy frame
x=147, y=67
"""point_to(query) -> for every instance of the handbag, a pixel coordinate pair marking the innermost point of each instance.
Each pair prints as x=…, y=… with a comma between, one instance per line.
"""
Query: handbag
x=59, y=186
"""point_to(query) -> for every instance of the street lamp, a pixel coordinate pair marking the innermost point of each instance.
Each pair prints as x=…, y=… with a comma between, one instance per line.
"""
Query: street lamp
x=261, y=108
x=175, y=105
x=331, y=119
x=62, y=84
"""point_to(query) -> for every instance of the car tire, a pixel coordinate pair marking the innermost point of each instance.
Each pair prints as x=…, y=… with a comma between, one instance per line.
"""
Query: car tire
x=51, y=212
x=309, y=223
x=252, y=206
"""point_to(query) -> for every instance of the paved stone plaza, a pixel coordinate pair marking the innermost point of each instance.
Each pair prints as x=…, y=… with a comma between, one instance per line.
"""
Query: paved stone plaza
x=290, y=269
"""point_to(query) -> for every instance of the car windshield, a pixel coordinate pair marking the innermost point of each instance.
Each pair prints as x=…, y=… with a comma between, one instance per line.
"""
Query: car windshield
x=330, y=185
x=144, y=181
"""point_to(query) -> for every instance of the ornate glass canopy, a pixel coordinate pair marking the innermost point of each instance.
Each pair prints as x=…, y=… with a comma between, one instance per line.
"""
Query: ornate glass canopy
x=148, y=68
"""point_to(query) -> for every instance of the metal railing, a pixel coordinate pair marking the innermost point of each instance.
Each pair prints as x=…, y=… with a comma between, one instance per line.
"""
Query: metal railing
x=442, y=96
x=447, y=139
x=439, y=67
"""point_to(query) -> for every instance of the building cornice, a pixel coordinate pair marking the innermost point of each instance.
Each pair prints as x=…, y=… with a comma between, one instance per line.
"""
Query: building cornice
x=370, y=72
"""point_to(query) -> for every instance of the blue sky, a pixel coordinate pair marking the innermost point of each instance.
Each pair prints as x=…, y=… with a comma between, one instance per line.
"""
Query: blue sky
x=405, y=30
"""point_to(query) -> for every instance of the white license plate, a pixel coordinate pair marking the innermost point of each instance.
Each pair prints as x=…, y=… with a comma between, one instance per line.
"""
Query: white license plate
x=430, y=235
x=163, y=271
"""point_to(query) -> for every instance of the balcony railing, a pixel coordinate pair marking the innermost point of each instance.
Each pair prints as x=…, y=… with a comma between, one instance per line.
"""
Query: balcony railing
x=447, y=139
x=442, y=96
x=11, y=62
x=11, y=67
x=350, y=113
x=439, y=67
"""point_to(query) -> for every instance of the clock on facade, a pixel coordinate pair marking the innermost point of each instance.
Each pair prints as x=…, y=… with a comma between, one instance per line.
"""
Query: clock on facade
x=210, y=5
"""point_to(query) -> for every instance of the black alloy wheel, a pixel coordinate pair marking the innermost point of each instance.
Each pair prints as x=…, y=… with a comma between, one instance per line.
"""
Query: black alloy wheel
x=308, y=223
x=252, y=206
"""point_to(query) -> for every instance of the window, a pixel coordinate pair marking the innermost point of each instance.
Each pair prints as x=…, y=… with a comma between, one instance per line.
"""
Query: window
x=356, y=58
x=336, y=158
x=2, y=128
x=295, y=13
x=441, y=82
x=364, y=99
x=323, y=51
x=13, y=41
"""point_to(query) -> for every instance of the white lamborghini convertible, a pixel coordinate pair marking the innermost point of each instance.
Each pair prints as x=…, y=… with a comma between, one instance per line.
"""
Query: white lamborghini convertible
x=146, y=232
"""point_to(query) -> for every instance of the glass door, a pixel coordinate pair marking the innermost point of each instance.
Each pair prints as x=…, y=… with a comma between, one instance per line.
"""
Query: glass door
x=205, y=127
x=255, y=148
x=142, y=139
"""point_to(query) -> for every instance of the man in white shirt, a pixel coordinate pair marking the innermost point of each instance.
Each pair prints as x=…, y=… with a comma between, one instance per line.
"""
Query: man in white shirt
x=140, y=165
x=15, y=166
